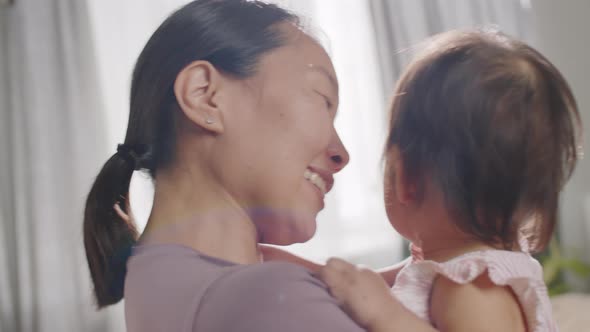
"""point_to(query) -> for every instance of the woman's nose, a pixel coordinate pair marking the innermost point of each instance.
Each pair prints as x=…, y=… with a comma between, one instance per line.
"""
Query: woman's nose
x=338, y=155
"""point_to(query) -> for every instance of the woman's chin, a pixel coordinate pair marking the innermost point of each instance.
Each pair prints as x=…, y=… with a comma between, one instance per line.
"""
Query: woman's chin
x=291, y=232
x=304, y=230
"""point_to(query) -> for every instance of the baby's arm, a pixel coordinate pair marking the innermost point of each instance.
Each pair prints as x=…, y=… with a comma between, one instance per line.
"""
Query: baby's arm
x=478, y=306
x=366, y=297
x=275, y=254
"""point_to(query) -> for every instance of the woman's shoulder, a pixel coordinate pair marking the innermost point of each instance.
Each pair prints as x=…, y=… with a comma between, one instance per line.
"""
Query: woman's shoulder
x=168, y=281
x=269, y=274
x=268, y=297
x=223, y=274
x=211, y=294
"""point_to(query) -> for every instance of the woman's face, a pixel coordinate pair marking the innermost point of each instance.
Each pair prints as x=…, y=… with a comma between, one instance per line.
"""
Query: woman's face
x=285, y=149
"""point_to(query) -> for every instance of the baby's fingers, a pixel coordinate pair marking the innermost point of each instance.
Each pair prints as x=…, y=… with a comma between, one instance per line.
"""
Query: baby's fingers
x=337, y=271
x=339, y=276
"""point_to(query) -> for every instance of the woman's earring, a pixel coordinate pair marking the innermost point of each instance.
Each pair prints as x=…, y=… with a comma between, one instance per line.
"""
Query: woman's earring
x=209, y=121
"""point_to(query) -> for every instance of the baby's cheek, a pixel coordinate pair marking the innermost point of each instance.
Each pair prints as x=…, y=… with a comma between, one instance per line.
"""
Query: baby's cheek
x=389, y=198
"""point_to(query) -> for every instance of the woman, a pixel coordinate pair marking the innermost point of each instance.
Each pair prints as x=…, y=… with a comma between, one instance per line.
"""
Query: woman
x=232, y=110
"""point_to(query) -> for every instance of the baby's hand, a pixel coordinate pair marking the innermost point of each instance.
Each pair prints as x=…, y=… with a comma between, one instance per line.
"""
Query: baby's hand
x=362, y=293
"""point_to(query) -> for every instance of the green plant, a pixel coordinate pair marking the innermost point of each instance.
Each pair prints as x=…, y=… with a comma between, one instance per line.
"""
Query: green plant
x=555, y=264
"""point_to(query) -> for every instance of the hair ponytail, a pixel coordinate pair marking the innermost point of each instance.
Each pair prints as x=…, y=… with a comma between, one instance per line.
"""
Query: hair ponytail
x=108, y=238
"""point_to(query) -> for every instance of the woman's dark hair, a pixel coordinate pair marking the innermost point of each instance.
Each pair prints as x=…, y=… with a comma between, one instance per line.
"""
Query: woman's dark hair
x=495, y=125
x=230, y=34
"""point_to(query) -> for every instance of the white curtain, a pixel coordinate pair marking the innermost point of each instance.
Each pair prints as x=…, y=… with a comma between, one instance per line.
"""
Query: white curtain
x=52, y=143
x=402, y=24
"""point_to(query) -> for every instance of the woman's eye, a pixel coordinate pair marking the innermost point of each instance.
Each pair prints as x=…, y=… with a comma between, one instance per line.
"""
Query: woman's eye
x=326, y=100
x=328, y=103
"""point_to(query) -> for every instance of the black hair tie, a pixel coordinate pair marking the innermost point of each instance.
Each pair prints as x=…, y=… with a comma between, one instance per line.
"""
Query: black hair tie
x=135, y=154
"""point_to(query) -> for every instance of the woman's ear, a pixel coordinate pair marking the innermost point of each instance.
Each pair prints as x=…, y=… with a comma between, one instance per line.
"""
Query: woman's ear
x=405, y=187
x=196, y=88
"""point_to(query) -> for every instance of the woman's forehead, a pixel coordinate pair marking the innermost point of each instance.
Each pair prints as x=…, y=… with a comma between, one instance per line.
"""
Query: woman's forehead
x=305, y=50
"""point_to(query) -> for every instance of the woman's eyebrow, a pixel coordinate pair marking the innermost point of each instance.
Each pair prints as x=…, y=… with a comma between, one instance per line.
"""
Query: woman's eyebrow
x=326, y=73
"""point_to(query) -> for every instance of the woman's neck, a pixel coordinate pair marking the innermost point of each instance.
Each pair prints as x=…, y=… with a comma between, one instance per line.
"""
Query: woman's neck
x=195, y=213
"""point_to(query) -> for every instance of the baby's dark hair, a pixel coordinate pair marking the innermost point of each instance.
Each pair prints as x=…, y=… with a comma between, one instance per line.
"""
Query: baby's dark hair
x=494, y=125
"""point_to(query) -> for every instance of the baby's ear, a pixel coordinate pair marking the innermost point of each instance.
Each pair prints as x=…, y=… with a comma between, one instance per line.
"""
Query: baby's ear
x=405, y=186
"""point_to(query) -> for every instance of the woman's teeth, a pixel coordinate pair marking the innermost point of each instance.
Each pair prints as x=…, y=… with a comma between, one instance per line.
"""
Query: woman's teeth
x=316, y=180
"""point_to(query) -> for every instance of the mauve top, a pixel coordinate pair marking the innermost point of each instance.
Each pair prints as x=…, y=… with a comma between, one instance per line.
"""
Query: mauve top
x=175, y=288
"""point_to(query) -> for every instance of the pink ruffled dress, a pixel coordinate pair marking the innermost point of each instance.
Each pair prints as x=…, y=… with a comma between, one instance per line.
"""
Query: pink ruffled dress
x=518, y=270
